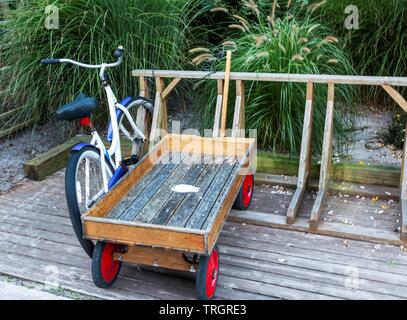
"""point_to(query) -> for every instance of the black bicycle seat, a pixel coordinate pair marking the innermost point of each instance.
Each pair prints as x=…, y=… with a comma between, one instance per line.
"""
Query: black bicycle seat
x=81, y=107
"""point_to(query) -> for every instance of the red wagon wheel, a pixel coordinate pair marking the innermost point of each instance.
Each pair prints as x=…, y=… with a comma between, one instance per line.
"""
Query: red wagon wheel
x=104, y=268
x=245, y=195
x=208, y=274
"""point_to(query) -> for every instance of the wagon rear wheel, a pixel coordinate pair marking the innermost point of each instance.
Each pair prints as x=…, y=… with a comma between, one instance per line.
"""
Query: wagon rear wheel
x=245, y=195
x=104, y=268
x=208, y=274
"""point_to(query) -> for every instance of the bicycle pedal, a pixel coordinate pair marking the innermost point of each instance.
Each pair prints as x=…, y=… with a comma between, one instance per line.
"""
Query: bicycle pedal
x=132, y=160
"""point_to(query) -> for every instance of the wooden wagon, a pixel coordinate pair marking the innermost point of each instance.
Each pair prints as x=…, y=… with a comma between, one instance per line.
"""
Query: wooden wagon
x=145, y=221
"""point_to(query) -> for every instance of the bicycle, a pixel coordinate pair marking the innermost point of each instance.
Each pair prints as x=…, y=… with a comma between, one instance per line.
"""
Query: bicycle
x=92, y=169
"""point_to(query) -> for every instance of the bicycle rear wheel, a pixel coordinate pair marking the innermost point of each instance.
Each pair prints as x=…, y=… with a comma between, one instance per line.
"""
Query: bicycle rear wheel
x=84, y=187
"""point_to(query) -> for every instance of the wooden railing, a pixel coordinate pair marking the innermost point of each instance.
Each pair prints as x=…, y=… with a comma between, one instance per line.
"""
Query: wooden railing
x=387, y=83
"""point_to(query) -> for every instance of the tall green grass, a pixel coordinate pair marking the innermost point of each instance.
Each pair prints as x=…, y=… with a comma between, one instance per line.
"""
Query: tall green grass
x=152, y=32
x=281, y=45
x=378, y=47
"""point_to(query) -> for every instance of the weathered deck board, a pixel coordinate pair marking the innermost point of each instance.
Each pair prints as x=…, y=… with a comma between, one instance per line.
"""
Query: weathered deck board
x=256, y=262
x=294, y=258
x=354, y=217
x=326, y=283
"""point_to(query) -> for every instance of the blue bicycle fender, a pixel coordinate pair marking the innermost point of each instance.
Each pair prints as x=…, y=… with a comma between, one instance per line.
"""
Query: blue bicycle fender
x=82, y=145
x=125, y=102
x=120, y=172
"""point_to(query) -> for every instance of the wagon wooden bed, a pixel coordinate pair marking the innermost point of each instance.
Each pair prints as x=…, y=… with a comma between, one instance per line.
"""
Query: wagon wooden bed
x=142, y=209
x=153, y=225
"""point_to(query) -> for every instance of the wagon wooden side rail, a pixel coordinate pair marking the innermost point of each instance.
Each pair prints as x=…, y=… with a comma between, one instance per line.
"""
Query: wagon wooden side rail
x=387, y=83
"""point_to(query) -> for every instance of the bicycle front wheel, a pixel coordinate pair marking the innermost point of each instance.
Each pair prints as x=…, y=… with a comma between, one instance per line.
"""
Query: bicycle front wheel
x=84, y=188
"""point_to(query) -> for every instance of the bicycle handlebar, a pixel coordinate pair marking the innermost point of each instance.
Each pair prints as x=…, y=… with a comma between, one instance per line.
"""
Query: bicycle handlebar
x=50, y=61
x=118, y=54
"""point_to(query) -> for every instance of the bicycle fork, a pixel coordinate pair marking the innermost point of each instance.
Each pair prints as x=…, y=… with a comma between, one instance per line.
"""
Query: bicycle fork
x=97, y=141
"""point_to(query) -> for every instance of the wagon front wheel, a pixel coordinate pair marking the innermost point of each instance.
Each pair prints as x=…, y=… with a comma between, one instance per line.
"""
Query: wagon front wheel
x=104, y=268
x=245, y=195
x=208, y=274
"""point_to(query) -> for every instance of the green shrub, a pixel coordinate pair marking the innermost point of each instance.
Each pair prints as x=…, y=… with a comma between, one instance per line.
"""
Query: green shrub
x=394, y=133
x=276, y=110
x=378, y=47
x=152, y=32
x=208, y=20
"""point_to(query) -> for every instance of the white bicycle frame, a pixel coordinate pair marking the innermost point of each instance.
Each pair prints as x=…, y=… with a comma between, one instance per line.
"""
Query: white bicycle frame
x=115, y=148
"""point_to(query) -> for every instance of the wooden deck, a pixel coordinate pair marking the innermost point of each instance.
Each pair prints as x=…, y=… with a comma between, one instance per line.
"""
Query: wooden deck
x=257, y=262
x=357, y=217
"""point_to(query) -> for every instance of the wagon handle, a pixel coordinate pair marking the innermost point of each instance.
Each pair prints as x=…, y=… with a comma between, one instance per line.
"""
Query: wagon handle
x=226, y=92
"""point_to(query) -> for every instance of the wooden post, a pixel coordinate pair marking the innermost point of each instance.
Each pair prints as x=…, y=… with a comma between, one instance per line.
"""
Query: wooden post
x=326, y=158
x=160, y=113
x=226, y=93
x=399, y=99
x=239, y=115
x=305, y=158
x=403, y=191
x=218, y=110
x=143, y=84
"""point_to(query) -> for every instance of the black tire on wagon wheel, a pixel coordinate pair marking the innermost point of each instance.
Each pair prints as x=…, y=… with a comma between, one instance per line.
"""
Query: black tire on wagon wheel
x=207, y=275
x=105, y=269
x=245, y=195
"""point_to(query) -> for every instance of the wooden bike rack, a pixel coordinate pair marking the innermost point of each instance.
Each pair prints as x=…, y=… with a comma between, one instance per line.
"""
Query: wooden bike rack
x=387, y=83
x=326, y=159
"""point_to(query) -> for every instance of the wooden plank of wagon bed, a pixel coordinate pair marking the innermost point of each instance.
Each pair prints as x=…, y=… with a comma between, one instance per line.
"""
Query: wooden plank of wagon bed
x=142, y=199
x=135, y=192
x=176, y=199
x=201, y=212
x=224, y=192
x=182, y=214
x=155, y=202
